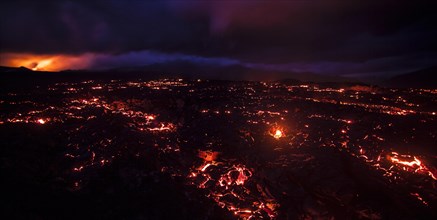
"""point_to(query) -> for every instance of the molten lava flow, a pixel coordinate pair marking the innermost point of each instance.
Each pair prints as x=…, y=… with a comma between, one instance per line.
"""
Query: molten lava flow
x=277, y=133
x=407, y=164
x=208, y=155
x=78, y=169
x=168, y=127
x=415, y=162
x=41, y=121
x=227, y=187
x=204, y=167
x=242, y=174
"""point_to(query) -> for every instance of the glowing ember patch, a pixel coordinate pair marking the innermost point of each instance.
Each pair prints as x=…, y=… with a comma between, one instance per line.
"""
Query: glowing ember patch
x=419, y=198
x=103, y=162
x=268, y=209
x=41, y=121
x=78, y=169
x=277, y=133
x=208, y=155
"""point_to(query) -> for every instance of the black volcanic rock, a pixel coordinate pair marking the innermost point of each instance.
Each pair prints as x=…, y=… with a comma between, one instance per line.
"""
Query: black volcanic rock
x=205, y=149
x=425, y=78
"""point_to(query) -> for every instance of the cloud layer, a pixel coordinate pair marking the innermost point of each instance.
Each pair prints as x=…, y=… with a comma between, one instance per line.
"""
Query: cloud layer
x=262, y=32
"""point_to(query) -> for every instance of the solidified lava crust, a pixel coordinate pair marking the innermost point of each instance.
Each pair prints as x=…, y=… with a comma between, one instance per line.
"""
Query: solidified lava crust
x=199, y=149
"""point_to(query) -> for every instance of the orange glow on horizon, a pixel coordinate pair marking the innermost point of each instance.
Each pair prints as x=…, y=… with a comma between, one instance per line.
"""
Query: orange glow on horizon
x=41, y=65
x=41, y=62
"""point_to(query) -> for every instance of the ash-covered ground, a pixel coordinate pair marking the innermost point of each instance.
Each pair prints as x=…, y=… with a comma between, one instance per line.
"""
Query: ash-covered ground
x=199, y=149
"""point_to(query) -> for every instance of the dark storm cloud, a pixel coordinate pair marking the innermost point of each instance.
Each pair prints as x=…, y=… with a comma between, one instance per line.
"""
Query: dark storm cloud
x=91, y=26
x=326, y=30
x=141, y=58
x=267, y=32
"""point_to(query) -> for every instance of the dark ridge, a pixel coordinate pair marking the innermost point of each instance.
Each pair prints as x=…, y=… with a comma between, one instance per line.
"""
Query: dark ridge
x=424, y=78
x=5, y=69
x=176, y=69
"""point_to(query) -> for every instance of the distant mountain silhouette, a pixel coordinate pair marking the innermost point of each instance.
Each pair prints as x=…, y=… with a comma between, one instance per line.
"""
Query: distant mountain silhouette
x=425, y=78
x=182, y=69
x=185, y=69
x=223, y=72
x=22, y=69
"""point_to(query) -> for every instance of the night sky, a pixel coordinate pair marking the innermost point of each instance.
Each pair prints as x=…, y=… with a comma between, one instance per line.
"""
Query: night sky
x=348, y=38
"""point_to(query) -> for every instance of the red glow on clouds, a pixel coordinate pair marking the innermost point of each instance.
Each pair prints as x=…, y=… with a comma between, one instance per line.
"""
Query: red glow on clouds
x=41, y=62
